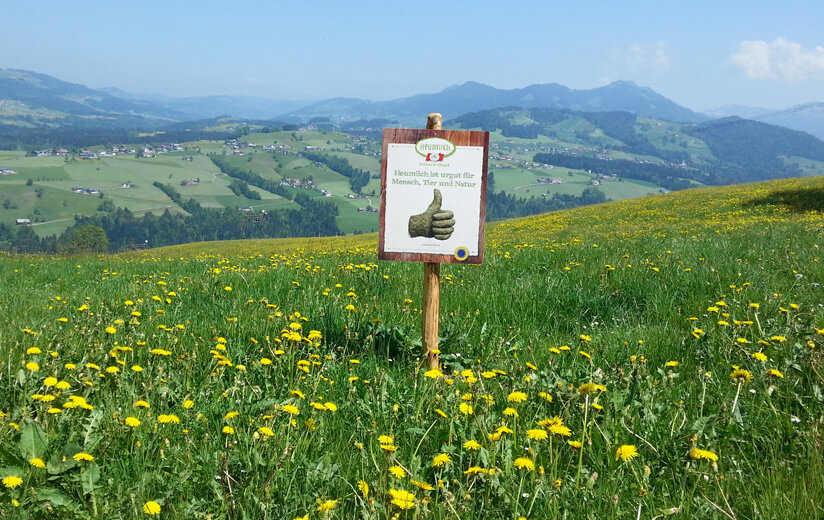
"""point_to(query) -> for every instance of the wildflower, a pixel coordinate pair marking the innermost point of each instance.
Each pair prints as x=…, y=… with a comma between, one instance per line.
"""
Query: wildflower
x=524, y=463
x=228, y=430
x=739, y=375
x=575, y=444
x=775, y=373
x=779, y=339
x=626, y=452
x=32, y=366
x=466, y=409
x=141, y=404
x=12, y=481
x=441, y=413
x=672, y=364
x=474, y=470
x=754, y=305
x=326, y=505
x=397, y=472
x=110, y=330
x=151, y=508
x=742, y=341
x=699, y=454
x=170, y=418
x=441, y=459
x=760, y=356
x=560, y=429
x=591, y=388
x=83, y=457
x=230, y=415
x=364, y=488
x=291, y=409
x=584, y=354
x=37, y=463
x=422, y=485
x=537, y=434
x=472, y=444
x=265, y=430
x=546, y=396
x=132, y=422
x=433, y=374
x=386, y=439
x=516, y=397
x=511, y=412
x=697, y=333
x=402, y=499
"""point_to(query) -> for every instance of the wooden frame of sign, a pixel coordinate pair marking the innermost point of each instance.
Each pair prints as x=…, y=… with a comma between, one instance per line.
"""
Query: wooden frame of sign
x=458, y=138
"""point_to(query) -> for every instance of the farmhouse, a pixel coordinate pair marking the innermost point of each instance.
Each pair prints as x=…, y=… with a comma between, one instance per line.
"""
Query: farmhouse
x=550, y=180
x=23, y=222
x=7, y=171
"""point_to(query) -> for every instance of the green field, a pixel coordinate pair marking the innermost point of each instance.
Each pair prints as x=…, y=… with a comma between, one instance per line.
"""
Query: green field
x=648, y=358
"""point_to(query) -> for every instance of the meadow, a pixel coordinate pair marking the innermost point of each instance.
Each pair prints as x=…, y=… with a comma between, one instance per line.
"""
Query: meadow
x=649, y=358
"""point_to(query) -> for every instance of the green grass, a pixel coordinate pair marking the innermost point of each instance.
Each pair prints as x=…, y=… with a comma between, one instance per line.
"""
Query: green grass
x=656, y=299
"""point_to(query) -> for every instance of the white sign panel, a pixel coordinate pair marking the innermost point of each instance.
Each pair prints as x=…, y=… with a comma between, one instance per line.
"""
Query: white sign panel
x=433, y=198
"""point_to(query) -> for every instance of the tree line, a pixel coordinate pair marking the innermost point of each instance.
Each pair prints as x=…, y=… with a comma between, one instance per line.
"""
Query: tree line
x=357, y=178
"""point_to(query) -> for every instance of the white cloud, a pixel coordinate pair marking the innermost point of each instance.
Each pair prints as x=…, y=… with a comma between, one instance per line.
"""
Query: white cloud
x=780, y=59
x=642, y=57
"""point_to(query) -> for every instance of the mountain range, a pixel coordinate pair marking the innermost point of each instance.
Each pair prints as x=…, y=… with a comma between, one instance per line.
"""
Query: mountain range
x=32, y=99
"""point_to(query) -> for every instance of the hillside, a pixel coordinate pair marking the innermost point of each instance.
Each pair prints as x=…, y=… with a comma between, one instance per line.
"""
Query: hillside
x=540, y=160
x=638, y=358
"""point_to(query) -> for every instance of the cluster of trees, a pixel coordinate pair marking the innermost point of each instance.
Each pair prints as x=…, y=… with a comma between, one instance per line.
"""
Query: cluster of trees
x=242, y=189
x=120, y=229
x=500, y=205
x=248, y=176
x=357, y=178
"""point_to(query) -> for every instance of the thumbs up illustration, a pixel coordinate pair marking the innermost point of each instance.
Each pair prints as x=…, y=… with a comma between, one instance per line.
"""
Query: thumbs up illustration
x=434, y=222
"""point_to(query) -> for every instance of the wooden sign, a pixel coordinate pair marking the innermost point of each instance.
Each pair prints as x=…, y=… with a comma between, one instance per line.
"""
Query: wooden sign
x=433, y=195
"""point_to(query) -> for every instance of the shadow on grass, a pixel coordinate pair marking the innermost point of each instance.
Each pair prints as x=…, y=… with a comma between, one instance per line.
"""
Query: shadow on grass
x=799, y=201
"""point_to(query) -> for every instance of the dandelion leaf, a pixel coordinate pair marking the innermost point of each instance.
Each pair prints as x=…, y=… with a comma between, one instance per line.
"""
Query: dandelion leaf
x=33, y=441
x=52, y=495
x=90, y=477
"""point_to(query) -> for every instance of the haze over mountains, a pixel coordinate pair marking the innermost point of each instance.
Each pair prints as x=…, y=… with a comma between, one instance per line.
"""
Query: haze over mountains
x=36, y=98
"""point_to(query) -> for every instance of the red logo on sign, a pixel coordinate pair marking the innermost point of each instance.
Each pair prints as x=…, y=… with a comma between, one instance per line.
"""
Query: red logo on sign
x=435, y=157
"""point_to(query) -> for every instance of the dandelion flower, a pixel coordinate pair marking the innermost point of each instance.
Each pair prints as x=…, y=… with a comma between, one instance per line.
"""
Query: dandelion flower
x=83, y=457
x=37, y=463
x=560, y=429
x=364, y=488
x=516, y=397
x=472, y=444
x=132, y=422
x=433, y=374
x=12, y=481
x=760, y=356
x=575, y=444
x=228, y=430
x=537, y=434
x=402, y=499
x=151, y=508
x=739, y=375
x=441, y=459
x=170, y=418
x=465, y=408
x=775, y=373
x=524, y=463
x=291, y=409
x=397, y=472
x=699, y=454
x=626, y=452
x=510, y=412
x=672, y=363
x=591, y=388
x=265, y=430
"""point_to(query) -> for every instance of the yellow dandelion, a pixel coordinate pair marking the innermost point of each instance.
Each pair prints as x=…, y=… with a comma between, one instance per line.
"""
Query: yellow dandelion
x=397, y=472
x=440, y=460
x=132, y=422
x=739, y=375
x=626, y=452
x=472, y=444
x=12, y=481
x=402, y=499
x=151, y=508
x=37, y=463
x=699, y=454
x=537, y=434
x=516, y=397
x=524, y=464
x=83, y=457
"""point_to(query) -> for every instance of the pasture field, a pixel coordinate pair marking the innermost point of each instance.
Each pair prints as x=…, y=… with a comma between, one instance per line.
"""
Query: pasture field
x=649, y=358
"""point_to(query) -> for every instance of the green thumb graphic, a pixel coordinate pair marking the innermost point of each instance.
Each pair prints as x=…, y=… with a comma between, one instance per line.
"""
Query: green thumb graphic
x=434, y=222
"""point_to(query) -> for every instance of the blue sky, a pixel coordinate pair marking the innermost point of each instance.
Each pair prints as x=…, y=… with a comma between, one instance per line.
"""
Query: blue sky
x=700, y=54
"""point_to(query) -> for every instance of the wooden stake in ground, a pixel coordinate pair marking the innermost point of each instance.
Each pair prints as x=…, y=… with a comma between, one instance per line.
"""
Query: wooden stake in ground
x=431, y=289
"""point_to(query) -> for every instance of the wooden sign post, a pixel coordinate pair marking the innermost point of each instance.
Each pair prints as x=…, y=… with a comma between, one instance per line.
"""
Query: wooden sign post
x=433, y=207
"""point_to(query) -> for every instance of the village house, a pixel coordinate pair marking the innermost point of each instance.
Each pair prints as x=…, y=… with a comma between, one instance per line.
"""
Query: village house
x=23, y=222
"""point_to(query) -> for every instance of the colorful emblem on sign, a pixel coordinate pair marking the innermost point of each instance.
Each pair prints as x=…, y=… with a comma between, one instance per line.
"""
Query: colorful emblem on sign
x=461, y=254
